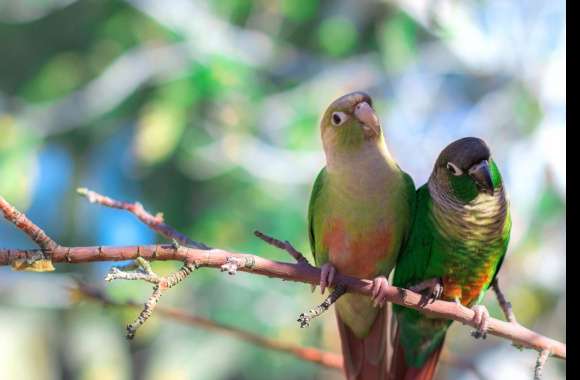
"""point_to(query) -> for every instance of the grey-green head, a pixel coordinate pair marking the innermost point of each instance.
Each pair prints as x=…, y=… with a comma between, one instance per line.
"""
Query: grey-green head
x=349, y=122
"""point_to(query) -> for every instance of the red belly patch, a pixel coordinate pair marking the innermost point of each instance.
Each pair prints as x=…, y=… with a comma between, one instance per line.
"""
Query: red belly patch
x=466, y=291
x=356, y=253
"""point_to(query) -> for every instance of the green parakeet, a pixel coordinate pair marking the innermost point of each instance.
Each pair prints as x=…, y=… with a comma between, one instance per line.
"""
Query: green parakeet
x=459, y=238
x=359, y=217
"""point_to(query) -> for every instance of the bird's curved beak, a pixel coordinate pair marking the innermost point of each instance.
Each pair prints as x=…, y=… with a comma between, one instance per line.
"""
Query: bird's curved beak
x=482, y=177
x=367, y=116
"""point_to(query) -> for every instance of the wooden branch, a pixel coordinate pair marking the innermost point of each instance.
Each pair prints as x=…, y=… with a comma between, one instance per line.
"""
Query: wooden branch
x=299, y=272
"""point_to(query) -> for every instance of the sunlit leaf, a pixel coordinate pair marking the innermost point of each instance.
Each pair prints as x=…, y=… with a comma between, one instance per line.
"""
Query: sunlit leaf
x=158, y=131
x=59, y=76
x=337, y=35
x=299, y=10
x=397, y=36
x=18, y=164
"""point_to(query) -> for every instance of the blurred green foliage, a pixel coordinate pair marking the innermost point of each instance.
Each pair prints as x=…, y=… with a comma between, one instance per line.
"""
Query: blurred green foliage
x=208, y=112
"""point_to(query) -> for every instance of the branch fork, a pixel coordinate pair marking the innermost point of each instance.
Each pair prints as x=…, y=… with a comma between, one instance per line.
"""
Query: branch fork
x=305, y=318
x=141, y=269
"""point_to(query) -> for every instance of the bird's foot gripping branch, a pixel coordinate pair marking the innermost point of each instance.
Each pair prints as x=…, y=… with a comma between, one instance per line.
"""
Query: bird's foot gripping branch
x=194, y=254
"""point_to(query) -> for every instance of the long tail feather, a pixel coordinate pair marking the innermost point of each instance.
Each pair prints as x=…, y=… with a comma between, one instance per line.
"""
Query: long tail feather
x=367, y=358
x=400, y=370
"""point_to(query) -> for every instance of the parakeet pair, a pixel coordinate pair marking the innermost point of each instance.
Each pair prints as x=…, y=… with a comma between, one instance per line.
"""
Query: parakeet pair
x=364, y=215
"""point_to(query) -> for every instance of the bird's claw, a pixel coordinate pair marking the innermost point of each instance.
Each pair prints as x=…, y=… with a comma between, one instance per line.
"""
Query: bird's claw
x=432, y=289
x=379, y=295
x=481, y=319
x=327, y=273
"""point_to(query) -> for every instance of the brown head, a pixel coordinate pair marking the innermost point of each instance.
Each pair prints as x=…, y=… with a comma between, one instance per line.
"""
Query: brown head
x=465, y=168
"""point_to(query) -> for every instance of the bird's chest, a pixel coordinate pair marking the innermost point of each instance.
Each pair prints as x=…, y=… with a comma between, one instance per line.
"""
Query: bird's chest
x=361, y=248
x=360, y=231
x=471, y=246
x=468, y=274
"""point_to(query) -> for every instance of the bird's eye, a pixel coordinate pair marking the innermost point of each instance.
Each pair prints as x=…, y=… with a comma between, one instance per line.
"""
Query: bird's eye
x=338, y=118
x=454, y=169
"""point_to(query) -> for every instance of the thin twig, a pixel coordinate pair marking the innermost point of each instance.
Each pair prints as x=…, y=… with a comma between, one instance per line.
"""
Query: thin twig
x=216, y=258
x=141, y=270
x=540, y=363
x=305, y=318
x=505, y=305
x=156, y=222
x=35, y=233
x=284, y=245
x=323, y=358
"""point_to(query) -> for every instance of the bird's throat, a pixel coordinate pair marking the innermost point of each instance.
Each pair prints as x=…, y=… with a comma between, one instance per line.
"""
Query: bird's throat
x=362, y=170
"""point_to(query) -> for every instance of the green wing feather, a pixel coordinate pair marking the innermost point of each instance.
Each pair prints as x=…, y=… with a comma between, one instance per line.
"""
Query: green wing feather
x=314, y=217
x=414, y=258
x=419, y=335
x=506, y=239
x=412, y=203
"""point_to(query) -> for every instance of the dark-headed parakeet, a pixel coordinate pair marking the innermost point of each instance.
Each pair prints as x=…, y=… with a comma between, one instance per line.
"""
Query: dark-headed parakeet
x=459, y=238
x=359, y=217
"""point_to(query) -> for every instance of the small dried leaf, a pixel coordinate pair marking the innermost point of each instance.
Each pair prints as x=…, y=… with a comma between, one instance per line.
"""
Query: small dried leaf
x=42, y=265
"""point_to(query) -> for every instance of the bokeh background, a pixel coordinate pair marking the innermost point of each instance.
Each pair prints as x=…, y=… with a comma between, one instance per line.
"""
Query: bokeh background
x=208, y=112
